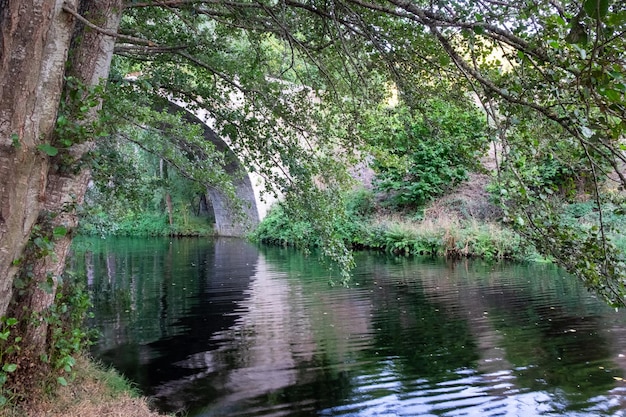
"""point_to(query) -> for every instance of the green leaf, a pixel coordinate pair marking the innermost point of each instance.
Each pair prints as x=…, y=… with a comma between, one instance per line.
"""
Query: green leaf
x=581, y=51
x=48, y=149
x=5, y=335
x=19, y=283
x=9, y=367
x=612, y=95
x=616, y=19
x=15, y=140
x=596, y=9
x=553, y=43
x=62, y=381
x=59, y=231
x=230, y=131
x=11, y=321
x=47, y=286
x=479, y=30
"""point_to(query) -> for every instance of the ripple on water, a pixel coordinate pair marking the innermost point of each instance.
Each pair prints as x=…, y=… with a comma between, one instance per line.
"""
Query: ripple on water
x=223, y=330
x=467, y=395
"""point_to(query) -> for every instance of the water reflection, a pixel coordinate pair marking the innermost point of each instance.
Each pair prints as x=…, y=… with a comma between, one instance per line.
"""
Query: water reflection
x=217, y=328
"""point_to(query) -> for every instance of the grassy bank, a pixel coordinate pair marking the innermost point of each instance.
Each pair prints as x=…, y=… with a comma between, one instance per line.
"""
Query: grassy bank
x=95, y=391
x=400, y=235
x=461, y=224
x=145, y=224
x=448, y=237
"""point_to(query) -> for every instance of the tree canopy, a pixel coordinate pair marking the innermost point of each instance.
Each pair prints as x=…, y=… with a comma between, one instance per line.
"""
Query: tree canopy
x=550, y=75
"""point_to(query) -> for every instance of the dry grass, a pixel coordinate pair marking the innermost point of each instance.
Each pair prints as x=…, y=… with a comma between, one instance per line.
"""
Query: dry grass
x=469, y=201
x=460, y=224
x=94, y=393
x=467, y=204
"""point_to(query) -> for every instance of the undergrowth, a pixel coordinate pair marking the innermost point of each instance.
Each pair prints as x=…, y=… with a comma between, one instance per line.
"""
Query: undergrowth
x=96, y=390
x=25, y=372
x=144, y=225
x=368, y=228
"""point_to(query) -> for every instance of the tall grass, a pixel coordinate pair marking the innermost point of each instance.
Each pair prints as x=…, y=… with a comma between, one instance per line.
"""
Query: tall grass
x=439, y=233
x=447, y=236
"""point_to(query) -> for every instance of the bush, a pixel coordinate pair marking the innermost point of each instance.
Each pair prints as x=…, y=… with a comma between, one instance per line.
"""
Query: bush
x=278, y=229
x=145, y=224
x=361, y=202
x=420, y=156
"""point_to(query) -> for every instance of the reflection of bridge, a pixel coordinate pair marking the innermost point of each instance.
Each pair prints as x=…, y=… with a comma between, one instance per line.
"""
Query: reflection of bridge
x=230, y=221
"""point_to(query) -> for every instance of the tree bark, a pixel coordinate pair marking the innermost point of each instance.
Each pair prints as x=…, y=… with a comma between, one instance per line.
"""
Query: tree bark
x=91, y=54
x=34, y=43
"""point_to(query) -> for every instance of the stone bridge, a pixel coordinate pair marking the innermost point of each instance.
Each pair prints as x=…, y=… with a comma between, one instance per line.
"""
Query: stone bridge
x=230, y=221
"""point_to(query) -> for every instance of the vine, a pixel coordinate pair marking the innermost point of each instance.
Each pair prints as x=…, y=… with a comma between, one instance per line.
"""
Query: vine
x=21, y=369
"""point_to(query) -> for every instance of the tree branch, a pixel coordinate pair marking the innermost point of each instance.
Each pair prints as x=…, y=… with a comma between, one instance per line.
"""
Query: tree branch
x=69, y=9
x=147, y=50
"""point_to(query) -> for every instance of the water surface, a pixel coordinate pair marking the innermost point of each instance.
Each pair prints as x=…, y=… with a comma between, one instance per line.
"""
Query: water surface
x=223, y=328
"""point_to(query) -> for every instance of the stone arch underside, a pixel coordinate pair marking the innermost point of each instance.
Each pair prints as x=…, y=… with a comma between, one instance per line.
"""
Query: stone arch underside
x=229, y=220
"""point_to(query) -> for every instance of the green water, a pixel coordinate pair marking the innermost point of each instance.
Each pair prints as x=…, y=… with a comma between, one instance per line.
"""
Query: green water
x=225, y=328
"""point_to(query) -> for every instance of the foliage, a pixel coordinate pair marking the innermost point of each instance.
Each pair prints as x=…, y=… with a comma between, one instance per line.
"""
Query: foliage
x=362, y=228
x=74, y=125
x=96, y=390
x=278, y=229
x=9, y=348
x=361, y=202
x=23, y=367
x=129, y=190
x=584, y=249
x=68, y=334
x=422, y=156
x=543, y=175
x=292, y=85
x=550, y=76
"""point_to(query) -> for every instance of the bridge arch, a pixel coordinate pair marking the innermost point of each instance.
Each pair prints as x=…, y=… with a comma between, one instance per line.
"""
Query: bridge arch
x=229, y=221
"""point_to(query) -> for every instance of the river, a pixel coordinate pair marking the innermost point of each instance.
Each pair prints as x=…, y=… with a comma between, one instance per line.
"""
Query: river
x=225, y=328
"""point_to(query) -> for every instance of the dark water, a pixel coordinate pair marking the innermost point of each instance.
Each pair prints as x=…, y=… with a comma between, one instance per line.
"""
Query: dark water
x=222, y=328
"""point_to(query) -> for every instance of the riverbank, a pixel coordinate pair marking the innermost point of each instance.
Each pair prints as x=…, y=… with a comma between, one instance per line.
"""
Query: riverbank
x=145, y=224
x=463, y=223
x=94, y=392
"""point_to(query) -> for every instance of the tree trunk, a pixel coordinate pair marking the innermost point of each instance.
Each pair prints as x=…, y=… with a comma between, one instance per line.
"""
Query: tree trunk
x=90, y=61
x=163, y=173
x=34, y=43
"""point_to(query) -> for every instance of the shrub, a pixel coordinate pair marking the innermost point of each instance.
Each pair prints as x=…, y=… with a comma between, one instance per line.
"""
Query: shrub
x=420, y=156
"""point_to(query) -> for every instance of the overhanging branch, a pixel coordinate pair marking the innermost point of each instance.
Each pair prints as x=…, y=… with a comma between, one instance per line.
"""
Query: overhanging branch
x=70, y=9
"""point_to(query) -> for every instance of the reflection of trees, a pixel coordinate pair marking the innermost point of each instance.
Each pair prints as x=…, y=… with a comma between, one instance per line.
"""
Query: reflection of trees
x=548, y=328
x=216, y=323
x=131, y=291
x=279, y=348
x=429, y=341
x=142, y=291
x=560, y=346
